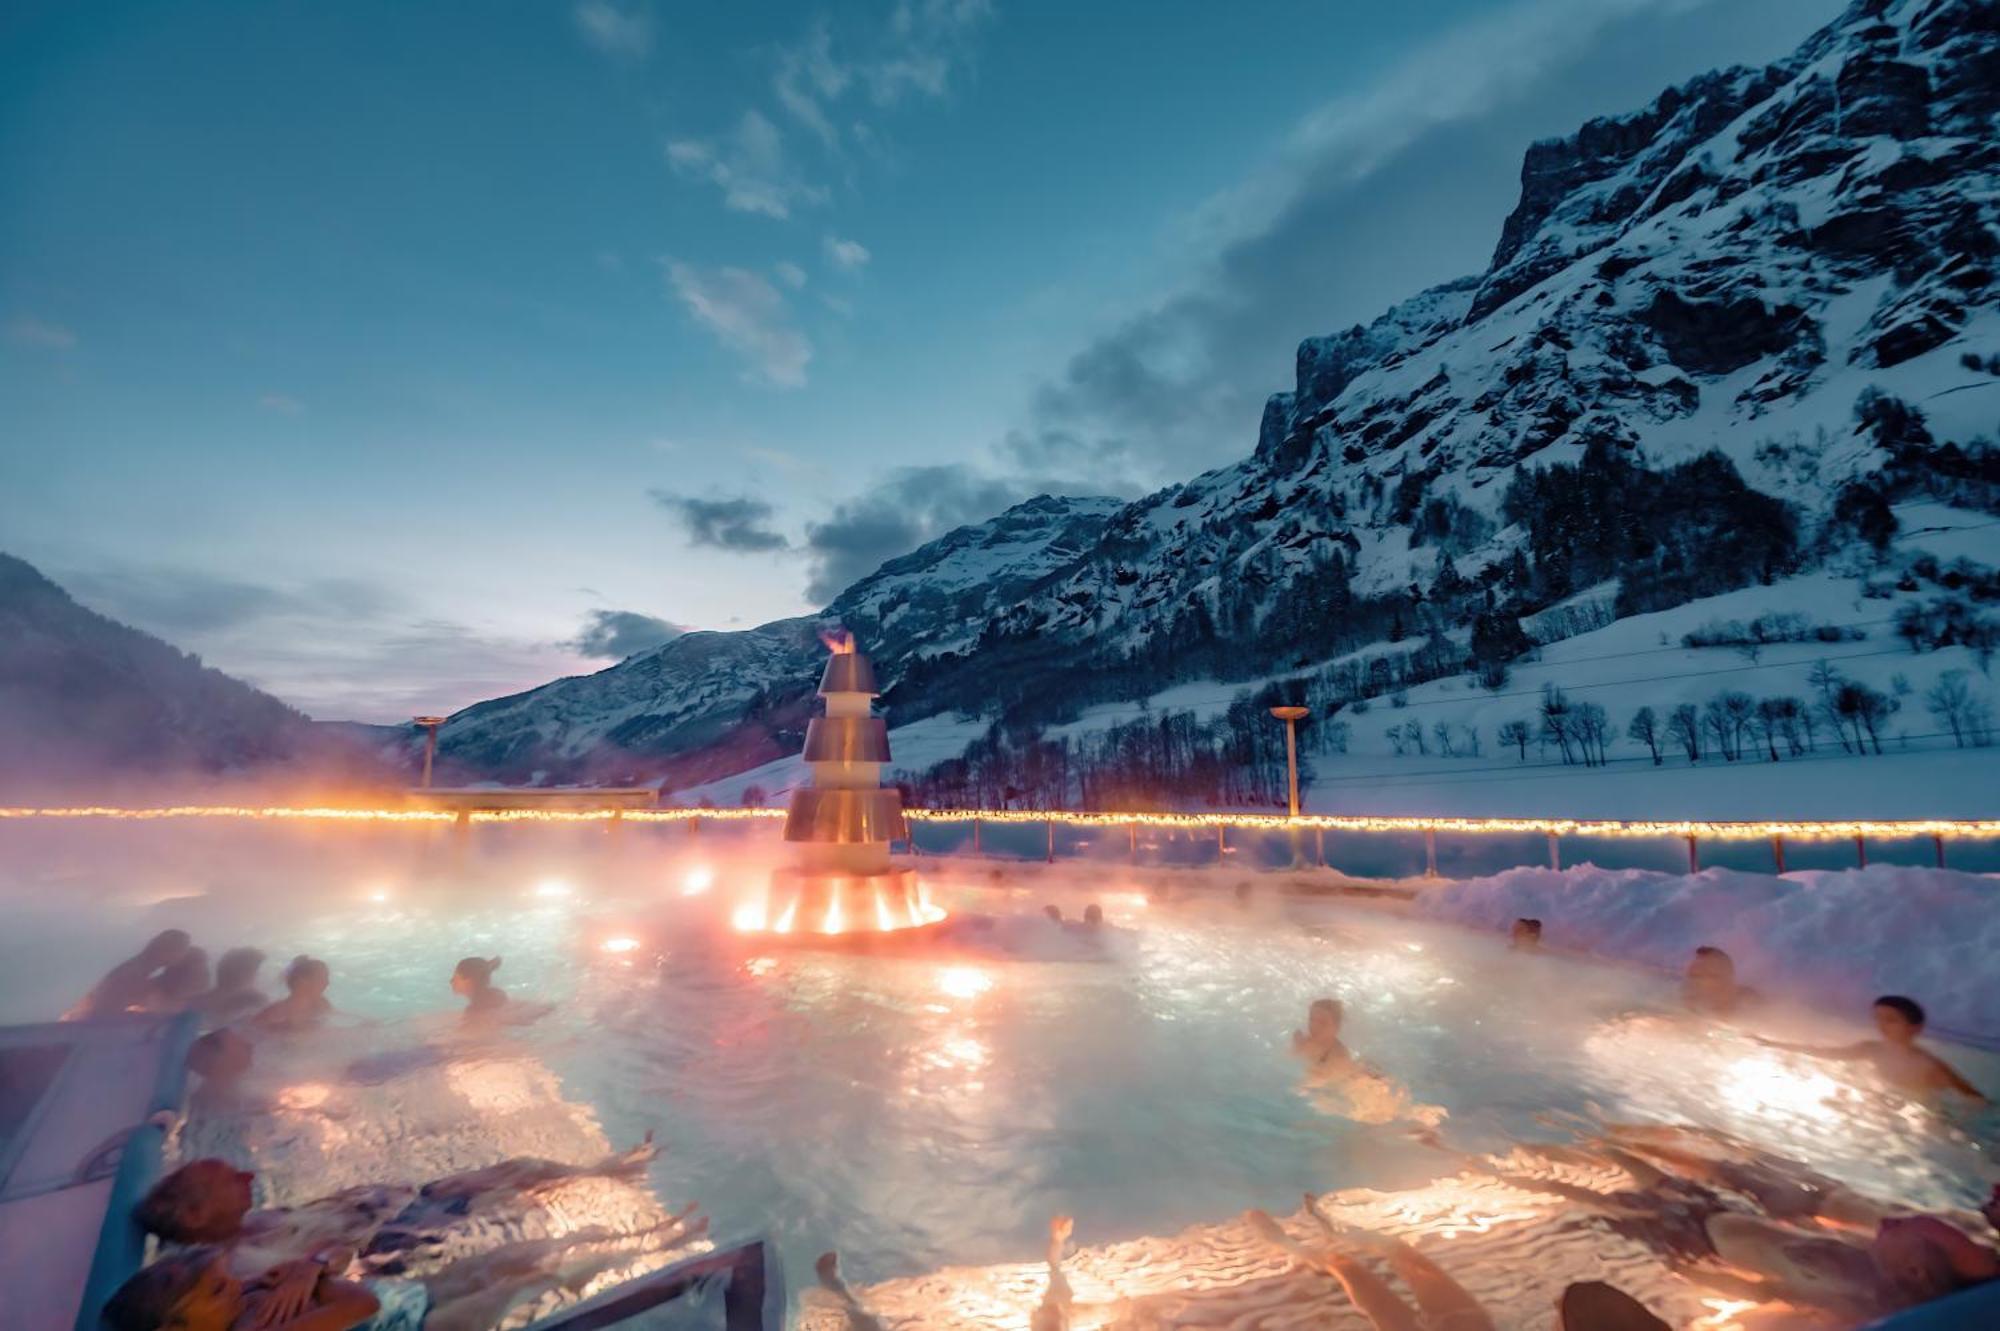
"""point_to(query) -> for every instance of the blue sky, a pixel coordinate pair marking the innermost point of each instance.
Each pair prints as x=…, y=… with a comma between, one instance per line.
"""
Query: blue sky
x=395, y=356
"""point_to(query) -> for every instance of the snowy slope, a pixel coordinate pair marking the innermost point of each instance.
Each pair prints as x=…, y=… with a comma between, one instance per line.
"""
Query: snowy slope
x=1729, y=268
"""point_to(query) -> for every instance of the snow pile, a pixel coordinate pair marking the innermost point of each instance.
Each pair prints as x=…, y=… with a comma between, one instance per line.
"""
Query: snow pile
x=1832, y=939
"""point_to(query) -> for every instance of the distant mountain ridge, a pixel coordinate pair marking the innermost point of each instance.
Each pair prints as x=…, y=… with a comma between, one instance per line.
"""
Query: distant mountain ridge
x=83, y=697
x=1718, y=323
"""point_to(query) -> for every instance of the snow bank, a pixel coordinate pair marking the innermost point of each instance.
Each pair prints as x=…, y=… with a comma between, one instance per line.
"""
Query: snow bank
x=1832, y=939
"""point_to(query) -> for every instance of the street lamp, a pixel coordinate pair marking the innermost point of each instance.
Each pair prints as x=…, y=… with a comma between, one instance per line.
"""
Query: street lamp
x=1291, y=716
x=430, y=725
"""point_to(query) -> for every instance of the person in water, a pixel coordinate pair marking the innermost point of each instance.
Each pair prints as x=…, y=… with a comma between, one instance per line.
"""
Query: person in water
x=1093, y=916
x=1054, y=912
x=1319, y=1043
x=211, y=1201
x=235, y=994
x=859, y=1318
x=1442, y=1303
x=222, y=1059
x=1525, y=936
x=486, y=1004
x=1896, y=1057
x=1695, y=1229
x=200, y=1289
x=304, y=1006
x=1709, y=984
x=177, y=986
x=128, y=986
x=1058, y=1300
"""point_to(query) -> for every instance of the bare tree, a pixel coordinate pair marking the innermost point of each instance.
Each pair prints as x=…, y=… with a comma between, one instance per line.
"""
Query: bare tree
x=1684, y=729
x=1395, y=734
x=1442, y=732
x=1557, y=720
x=1516, y=733
x=1645, y=729
x=1593, y=733
x=1866, y=711
x=1413, y=731
x=1952, y=705
x=1826, y=680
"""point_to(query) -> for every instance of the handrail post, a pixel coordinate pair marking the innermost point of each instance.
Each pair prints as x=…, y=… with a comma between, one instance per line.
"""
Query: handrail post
x=1132, y=836
x=1319, y=846
x=1694, y=856
x=975, y=837
x=1778, y=850
x=1555, y=853
x=1937, y=838
x=1430, y=852
x=1860, y=850
x=1052, y=841
x=1221, y=841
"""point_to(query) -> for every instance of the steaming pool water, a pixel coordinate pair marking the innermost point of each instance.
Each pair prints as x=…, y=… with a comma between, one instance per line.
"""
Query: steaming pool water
x=932, y=1111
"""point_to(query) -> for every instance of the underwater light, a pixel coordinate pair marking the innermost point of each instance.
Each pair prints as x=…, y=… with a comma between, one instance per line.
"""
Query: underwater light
x=620, y=944
x=552, y=888
x=697, y=881
x=964, y=981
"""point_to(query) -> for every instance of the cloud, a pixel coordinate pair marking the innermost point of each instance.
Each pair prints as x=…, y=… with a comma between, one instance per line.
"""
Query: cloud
x=617, y=634
x=789, y=273
x=908, y=507
x=621, y=31
x=737, y=523
x=808, y=77
x=1372, y=197
x=915, y=53
x=749, y=316
x=282, y=403
x=749, y=166
x=848, y=254
x=25, y=330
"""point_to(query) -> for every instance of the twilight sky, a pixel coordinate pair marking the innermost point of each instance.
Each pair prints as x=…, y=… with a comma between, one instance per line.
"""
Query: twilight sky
x=397, y=356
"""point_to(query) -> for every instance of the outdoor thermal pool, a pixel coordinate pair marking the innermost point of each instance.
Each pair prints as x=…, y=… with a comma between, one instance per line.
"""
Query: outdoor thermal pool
x=933, y=1111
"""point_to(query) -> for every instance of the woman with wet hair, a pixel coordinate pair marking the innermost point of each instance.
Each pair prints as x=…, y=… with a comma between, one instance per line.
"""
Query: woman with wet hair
x=486, y=1004
x=195, y=1290
x=128, y=986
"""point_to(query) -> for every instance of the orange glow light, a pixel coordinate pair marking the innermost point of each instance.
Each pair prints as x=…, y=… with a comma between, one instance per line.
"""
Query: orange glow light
x=964, y=981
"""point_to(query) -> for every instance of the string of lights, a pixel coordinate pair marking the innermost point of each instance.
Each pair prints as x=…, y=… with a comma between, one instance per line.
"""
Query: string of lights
x=1846, y=829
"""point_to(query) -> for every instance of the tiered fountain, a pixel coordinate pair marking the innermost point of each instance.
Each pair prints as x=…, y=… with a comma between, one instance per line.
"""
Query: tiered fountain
x=841, y=824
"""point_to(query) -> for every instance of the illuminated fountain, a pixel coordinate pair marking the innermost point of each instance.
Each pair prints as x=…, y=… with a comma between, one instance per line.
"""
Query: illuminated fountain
x=841, y=823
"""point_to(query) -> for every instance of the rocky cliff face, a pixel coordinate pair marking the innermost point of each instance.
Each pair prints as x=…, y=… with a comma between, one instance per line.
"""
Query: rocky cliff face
x=1727, y=269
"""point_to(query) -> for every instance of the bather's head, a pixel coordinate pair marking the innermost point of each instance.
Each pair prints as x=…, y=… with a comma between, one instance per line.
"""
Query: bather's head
x=474, y=975
x=204, y=1201
x=220, y=1057
x=1054, y=912
x=1710, y=982
x=238, y=967
x=184, y=979
x=165, y=948
x=1925, y=1258
x=190, y=1290
x=307, y=977
x=1900, y=1019
x=1592, y=1305
x=1323, y=1019
x=1093, y=915
x=1526, y=935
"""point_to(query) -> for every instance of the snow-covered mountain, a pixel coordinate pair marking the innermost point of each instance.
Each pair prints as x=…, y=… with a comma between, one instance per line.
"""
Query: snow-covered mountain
x=1719, y=339
x=706, y=704
x=87, y=699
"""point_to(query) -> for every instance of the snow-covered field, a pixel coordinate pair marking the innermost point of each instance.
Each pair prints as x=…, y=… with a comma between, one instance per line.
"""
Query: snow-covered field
x=1834, y=940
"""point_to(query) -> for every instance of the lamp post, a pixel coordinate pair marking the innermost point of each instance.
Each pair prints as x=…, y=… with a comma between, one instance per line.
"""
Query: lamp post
x=1291, y=716
x=430, y=726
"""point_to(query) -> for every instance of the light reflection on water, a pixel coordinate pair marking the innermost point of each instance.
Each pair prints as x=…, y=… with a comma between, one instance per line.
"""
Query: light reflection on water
x=919, y=1113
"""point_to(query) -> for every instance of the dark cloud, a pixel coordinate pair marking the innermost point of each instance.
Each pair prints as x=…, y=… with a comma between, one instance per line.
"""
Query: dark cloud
x=737, y=522
x=910, y=506
x=1380, y=196
x=617, y=634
